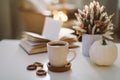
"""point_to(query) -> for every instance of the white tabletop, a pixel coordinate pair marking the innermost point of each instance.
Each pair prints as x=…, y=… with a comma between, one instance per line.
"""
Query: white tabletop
x=13, y=62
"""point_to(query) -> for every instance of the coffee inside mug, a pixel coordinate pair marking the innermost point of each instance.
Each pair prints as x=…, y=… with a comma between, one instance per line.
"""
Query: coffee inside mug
x=58, y=43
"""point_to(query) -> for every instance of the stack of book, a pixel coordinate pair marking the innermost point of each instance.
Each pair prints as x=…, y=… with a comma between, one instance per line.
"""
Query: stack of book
x=33, y=43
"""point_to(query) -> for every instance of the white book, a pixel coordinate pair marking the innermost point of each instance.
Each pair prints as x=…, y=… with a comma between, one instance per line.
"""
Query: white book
x=50, y=32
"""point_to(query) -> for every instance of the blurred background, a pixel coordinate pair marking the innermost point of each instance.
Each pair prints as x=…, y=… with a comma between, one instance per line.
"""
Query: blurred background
x=19, y=15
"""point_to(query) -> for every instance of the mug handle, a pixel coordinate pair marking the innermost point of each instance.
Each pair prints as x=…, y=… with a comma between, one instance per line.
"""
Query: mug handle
x=72, y=51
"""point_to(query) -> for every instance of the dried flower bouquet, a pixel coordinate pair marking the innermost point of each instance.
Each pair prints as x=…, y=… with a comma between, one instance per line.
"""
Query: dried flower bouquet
x=93, y=19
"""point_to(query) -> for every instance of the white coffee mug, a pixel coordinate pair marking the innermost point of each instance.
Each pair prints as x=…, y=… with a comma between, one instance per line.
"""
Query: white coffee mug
x=58, y=53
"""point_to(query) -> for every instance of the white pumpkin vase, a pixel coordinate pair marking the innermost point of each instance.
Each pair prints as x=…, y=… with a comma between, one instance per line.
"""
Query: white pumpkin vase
x=103, y=52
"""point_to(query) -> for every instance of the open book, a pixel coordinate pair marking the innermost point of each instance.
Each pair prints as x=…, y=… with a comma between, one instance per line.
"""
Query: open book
x=35, y=37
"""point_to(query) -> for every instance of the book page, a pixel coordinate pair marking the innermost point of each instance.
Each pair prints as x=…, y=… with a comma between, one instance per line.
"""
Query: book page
x=51, y=29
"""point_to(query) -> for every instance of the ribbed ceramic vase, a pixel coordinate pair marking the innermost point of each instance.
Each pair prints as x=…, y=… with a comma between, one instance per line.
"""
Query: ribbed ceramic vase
x=87, y=41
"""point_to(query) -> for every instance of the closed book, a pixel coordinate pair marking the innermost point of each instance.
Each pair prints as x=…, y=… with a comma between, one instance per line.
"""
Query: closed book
x=33, y=43
x=32, y=49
